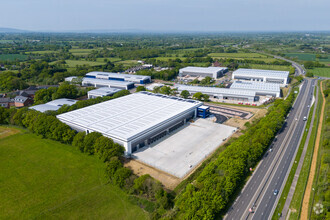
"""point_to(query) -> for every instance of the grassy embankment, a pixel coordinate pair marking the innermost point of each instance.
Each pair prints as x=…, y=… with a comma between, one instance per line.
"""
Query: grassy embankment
x=44, y=179
x=287, y=186
x=298, y=195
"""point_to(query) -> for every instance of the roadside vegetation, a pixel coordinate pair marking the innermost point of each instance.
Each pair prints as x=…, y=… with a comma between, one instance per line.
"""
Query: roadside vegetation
x=298, y=195
x=319, y=207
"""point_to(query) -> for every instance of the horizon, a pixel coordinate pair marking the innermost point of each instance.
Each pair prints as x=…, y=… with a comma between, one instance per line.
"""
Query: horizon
x=166, y=16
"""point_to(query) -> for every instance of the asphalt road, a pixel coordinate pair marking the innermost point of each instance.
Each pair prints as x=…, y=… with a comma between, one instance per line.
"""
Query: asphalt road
x=272, y=170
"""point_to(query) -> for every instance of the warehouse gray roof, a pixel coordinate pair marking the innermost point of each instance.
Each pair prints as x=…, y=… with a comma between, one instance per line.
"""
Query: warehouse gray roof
x=215, y=90
x=210, y=69
x=262, y=73
x=103, y=91
x=53, y=105
x=106, y=75
x=106, y=82
x=273, y=87
x=127, y=117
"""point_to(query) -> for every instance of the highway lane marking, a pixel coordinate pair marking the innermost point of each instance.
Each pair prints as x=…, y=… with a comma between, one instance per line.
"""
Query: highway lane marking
x=286, y=142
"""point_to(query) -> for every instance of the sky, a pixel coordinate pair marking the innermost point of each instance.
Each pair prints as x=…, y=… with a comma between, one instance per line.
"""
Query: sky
x=166, y=15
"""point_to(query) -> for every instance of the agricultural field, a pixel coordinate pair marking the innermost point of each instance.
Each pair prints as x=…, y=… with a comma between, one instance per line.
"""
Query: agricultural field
x=43, y=179
x=80, y=52
x=112, y=59
x=269, y=67
x=74, y=63
x=324, y=72
x=127, y=63
x=43, y=52
x=237, y=55
x=13, y=57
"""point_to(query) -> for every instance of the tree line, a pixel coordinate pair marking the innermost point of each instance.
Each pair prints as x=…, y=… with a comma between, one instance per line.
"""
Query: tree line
x=212, y=190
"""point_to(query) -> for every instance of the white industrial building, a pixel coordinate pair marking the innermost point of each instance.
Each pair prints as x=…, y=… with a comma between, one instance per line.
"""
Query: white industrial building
x=139, y=79
x=154, y=85
x=214, y=72
x=107, y=83
x=264, y=89
x=53, y=105
x=135, y=120
x=266, y=76
x=101, y=92
x=220, y=93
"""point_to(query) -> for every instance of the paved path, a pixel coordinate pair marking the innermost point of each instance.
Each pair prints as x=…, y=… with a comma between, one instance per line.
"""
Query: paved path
x=305, y=205
x=301, y=161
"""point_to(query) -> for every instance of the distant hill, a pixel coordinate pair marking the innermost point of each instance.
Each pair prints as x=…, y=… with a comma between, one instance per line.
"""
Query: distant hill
x=11, y=30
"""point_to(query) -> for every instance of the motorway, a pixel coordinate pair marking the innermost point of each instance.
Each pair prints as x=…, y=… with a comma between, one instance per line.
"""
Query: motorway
x=273, y=169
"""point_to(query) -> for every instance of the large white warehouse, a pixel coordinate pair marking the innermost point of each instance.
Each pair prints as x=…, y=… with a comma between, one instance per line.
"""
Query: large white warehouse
x=272, y=89
x=266, y=76
x=220, y=93
x=214, y=72
x=101, y=92
x=120, y=77
x=53, y=105
x=106, y=83
x=134, y=120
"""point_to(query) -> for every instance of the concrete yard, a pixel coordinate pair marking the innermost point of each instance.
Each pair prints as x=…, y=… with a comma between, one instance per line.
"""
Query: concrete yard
x=179, y=153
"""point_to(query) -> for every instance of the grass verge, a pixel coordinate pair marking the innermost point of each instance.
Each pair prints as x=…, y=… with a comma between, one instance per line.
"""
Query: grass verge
x=287, y=186
x=298, y=195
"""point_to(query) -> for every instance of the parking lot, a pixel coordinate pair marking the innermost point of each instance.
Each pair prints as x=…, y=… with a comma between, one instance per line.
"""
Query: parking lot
x=179, y=153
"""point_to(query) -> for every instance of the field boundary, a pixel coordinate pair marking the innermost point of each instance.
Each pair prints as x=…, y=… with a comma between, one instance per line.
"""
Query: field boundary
x=305, y=204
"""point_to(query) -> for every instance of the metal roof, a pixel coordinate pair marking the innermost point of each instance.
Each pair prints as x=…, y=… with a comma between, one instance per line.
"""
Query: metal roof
x=256, y=86
x=106, y=82
x=53, y=105
x=127, y=117
x=215, y=90
x=262, y=73
x=210, y=70
x=103, y=91
x=127, y=77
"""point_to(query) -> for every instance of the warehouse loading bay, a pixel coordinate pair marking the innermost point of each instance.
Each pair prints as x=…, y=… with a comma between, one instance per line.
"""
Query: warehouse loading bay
x=179, y=153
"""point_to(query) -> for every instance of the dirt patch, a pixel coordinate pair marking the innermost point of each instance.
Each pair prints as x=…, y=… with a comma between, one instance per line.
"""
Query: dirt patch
x=139, y=168
x=305, y=208
x=6, y=131
x=238, y=122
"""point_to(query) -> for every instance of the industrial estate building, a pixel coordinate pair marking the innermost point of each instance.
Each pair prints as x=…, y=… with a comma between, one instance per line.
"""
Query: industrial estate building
x=101, y=92
x=139, y=79
x=107, y=83
x=214, y=72
x=53, y=105
x=264, y=89
x=154, y=85
x=135, y=120
x=220, y=93
x=266, y=76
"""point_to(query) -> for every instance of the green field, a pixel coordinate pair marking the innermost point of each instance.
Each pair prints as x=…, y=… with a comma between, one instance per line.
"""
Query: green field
x=306, y=57
x=13, y=57
x=112, y=59
x=269, y=67
x=43, y=51
x=43, y=179
x=128, y=63
x=74, y=63
x=237, y=55
x=325, y=72
x=80, y=51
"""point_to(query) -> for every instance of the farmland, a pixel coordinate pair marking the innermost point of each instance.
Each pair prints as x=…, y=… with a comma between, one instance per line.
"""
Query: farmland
x=12, y=57
x=43, y=179
x=325, y=72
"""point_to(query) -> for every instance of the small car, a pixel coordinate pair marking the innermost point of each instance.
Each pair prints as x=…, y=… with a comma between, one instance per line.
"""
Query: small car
x=275, y=192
